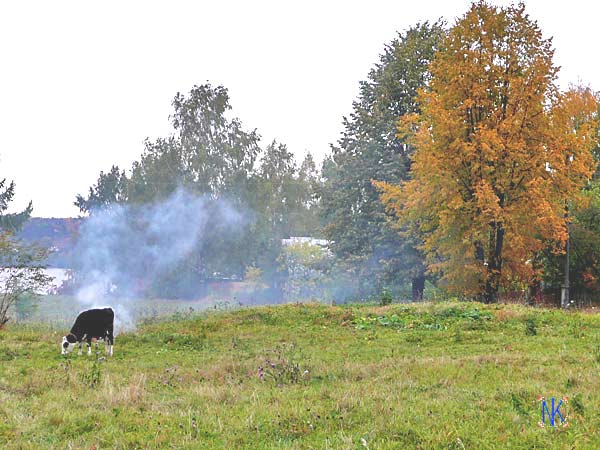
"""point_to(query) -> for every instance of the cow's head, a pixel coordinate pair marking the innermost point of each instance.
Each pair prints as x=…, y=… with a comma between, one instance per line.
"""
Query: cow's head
x=68, y=344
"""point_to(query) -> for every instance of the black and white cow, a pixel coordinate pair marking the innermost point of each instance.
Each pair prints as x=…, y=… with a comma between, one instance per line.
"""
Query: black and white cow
x=91, y=324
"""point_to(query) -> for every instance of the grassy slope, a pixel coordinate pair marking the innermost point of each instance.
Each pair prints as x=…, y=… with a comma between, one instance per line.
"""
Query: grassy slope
x=433, y=376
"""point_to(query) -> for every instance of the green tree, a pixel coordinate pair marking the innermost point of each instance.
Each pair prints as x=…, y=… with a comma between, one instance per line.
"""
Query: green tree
x=284, y=204
x=208, y=154
x=276, y=176
x=213, y=156
x=584, y=236
x=585, y=242
x=21, y=265
x=11, y=222
x=306, y=267
x=217, y=154
x=362, y=233
x=306, y=220
x=109, y=189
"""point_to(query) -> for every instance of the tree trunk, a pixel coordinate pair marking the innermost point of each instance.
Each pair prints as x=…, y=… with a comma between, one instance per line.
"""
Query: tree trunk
x=491, y=288
x=360, y=283
x=418, y=286
x=534, y=292
x=494, y=267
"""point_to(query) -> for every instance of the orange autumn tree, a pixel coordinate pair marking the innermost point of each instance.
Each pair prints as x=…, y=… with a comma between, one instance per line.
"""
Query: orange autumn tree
x=499, y=150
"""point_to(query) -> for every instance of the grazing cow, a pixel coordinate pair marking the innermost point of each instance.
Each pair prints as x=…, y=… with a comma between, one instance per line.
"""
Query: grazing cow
x=91, y=324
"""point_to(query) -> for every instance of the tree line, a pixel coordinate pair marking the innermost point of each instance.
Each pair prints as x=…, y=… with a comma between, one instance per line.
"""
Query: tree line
x=462, y=167
x=214, y=156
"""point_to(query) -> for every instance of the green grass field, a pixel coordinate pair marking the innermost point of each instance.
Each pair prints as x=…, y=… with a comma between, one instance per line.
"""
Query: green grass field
x=443, y=375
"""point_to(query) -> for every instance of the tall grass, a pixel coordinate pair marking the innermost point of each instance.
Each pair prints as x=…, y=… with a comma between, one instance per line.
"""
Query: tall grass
x=433, y=375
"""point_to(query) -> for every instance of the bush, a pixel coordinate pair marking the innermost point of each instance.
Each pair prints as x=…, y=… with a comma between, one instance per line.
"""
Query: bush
x=385, y=298
x=530, y=326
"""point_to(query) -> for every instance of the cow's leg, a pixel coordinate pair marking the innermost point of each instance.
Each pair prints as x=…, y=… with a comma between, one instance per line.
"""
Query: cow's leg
x=79, y=352
x=89, y=345
x=110, y=339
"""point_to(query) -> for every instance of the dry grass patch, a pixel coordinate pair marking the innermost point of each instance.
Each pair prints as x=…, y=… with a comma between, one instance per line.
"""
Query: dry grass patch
x=503, y=315
x=132, y=394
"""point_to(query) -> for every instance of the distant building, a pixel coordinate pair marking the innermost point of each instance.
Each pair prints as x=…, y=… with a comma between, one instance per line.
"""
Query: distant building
x=305, y=240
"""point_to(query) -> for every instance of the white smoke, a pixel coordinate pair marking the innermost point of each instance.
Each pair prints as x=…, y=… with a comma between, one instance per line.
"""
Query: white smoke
x=121, y=244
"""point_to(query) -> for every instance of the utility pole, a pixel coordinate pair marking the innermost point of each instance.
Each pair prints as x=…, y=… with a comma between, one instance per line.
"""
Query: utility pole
x=564, y=292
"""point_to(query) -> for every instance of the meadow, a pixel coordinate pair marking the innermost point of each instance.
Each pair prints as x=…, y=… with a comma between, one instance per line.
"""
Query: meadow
x=308, y=376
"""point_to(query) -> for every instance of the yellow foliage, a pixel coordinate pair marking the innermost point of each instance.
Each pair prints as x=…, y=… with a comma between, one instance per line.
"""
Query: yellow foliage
x=499, y=151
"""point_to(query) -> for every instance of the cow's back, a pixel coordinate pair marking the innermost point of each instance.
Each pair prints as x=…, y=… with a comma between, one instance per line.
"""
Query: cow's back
x=95, y=322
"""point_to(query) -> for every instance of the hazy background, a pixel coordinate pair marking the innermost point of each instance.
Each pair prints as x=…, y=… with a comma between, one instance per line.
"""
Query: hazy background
x=83, y=83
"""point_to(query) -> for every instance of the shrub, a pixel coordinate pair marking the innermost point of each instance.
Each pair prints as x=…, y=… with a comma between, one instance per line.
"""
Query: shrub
x=385, y=298
x=530, y=326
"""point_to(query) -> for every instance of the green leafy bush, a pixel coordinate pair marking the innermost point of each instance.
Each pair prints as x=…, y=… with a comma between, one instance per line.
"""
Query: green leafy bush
x=385, y=298
x=530, y=326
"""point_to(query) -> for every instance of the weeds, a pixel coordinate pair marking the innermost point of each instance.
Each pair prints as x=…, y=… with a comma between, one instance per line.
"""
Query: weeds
x=194, y=428
x=530, y=327
x=577, y=328
x=385, y=298
x=571, y=382
x=408, y=318
x=577, y=404
x=224, y=305
x=283, y=365
x=186, y=341
x=596, y=353
x=518, y=404
x=457, y=337
x=170, y=377
x=7, y=354
x=66, y=367
x=92, y=376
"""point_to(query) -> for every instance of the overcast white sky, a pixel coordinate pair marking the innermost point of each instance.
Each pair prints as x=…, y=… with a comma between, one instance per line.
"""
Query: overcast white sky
x=83, y=83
